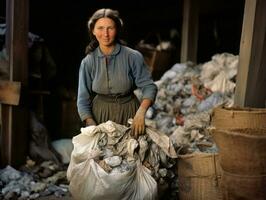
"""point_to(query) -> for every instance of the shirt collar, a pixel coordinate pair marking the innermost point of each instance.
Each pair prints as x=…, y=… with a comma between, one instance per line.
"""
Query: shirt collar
x=115, y=51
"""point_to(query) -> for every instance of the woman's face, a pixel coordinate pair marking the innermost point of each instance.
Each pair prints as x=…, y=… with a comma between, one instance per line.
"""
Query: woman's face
x=105, y=31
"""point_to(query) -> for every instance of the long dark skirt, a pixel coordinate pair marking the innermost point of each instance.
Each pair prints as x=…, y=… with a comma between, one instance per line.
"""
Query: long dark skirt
x=118, y=110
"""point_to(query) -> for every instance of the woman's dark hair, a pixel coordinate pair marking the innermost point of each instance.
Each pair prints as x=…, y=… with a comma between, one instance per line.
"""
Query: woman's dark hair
x=104, y=12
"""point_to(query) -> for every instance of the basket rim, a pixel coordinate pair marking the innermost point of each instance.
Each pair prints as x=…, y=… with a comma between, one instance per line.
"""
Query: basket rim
x=235, y=132
x=241, y=109
x=201, y=154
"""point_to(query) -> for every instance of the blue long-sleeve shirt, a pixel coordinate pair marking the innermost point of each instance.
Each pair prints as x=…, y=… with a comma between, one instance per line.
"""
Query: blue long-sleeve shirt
x=119, y=73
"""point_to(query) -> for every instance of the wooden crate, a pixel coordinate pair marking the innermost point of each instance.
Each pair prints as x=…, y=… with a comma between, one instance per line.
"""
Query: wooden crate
x=158, y=61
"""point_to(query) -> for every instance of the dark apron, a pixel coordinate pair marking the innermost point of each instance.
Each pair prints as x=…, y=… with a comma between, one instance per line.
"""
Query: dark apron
x=115, y=108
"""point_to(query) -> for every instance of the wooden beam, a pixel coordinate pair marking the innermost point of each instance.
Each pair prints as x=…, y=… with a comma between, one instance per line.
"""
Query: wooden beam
x=14, y=139
x=251, y=77
x=189, y=43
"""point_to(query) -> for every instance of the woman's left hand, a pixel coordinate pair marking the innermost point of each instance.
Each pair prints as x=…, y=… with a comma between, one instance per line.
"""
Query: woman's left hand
x=138, y=124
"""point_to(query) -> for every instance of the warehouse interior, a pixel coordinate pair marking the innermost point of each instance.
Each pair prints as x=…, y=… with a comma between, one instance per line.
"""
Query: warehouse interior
x=45, y=42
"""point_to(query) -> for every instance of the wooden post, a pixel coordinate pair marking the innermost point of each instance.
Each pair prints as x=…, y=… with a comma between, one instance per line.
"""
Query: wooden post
x=189, y=43
x=14, y=140
x=251, y=81
x=10, y=95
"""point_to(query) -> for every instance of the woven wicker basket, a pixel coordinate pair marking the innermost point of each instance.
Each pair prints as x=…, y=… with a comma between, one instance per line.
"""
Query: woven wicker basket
x=235, y=117
x=243, y=162
x=199, y=177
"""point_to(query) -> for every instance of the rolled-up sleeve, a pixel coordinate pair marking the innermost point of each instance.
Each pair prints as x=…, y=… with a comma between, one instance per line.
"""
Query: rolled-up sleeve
x=143, y=78
x=84, y=99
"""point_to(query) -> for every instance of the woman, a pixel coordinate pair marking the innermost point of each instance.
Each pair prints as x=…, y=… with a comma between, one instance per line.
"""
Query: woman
x=109, y=74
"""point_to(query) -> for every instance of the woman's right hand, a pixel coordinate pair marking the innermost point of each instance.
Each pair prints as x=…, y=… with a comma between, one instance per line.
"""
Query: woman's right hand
x=90, y=122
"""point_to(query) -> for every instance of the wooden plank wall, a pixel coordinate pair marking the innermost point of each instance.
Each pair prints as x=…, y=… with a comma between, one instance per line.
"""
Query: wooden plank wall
x=15, y=118
x=251, y=77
